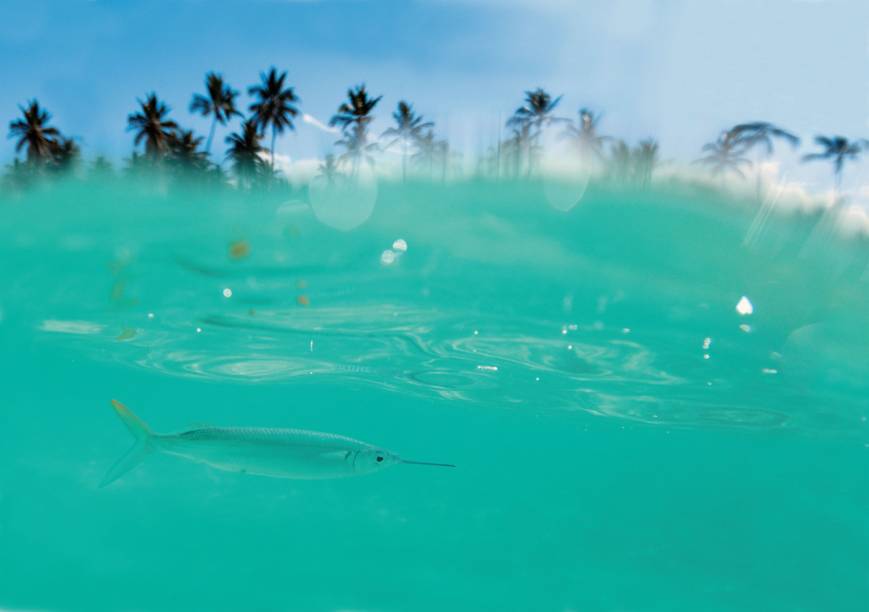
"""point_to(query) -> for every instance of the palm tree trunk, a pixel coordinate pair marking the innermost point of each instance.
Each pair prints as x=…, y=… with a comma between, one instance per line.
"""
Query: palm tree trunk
x=210, y=136
x=403, y=160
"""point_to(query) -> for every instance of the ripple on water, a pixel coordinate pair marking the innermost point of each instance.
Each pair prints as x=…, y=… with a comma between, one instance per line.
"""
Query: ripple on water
x=679, y=412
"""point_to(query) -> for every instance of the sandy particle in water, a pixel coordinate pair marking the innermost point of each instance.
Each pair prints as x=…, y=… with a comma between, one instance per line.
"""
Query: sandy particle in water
x=126, y=334
x=303, y=300
x=239, y=249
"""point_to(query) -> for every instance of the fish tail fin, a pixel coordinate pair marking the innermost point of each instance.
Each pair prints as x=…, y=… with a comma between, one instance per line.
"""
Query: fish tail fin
x=134, y=424
x=141, y=447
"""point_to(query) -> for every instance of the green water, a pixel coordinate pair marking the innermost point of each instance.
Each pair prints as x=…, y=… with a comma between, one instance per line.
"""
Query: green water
x=625, y=439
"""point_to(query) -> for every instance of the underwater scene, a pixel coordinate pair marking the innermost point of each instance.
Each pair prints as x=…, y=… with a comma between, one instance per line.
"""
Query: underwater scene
x=654, y=401
x=390, y=306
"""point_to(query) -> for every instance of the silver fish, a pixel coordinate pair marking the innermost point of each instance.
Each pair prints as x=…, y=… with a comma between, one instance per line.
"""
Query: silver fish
x=278, y=453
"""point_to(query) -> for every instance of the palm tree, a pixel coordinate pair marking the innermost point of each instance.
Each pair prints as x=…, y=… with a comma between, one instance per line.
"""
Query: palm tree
x=837, y=149
x=529, y=120
x=353, y=116
x=584, y=134
x=219, y=102
x=725, y=155
x=408, y=130
x=33, y=132
x=520, y=144
x=329, y=169
x=245, y=151
x=645, y=160
x=151, y=124
x=356, y=147
x=185, y=152
x=761, y=133
x=275, y=105
x=65, y=154
x=430, y=151
x=620, y=161
x=356, y=111
x=536, y=111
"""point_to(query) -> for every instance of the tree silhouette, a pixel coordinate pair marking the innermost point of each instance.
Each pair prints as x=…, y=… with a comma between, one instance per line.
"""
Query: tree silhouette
x=185, y=152
x=430, y=151
x=356, y=110
x=353, y=116
x=528, y=122
x=356, y=146
x=329, y=169
x=646, y=160
x=837, y=150
x=245, y=152
x=536, y=111
x=725, y=155
x=761, y=134
x=585, y=136
x=65, y=154
x=152, y=125
x=33, y=132
x=409, y=128
x=274, y=106
x=219, y=102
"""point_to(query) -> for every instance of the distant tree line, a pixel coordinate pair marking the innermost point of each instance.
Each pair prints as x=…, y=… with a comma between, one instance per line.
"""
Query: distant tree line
x=160, y=143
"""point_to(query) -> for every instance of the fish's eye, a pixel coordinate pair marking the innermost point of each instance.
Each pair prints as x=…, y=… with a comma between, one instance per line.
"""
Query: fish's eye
x=379, y=458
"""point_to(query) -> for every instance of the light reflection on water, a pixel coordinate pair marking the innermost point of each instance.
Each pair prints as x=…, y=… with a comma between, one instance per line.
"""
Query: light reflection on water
x=624, y=327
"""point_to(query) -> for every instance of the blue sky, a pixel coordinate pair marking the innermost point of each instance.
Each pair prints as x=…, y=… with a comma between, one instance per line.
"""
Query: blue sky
x=680, y=70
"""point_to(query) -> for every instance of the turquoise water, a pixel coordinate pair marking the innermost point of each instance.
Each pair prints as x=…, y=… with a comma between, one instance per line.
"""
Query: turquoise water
x=625, y=438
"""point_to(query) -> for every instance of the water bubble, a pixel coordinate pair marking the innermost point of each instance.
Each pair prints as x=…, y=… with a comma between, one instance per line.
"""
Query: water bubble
x=387, y=257
x=151, y=315
x=344, y=201
x=400, y=245
x=707, y=342
x=198, y=330
x=227, y=292
x=565, y=173
x=744, y=307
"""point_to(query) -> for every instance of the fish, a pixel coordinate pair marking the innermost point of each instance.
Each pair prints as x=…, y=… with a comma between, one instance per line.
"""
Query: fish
x=296, y=454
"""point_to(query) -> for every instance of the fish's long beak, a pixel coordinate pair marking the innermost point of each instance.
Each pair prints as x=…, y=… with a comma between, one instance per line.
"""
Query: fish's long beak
x=450, y=465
